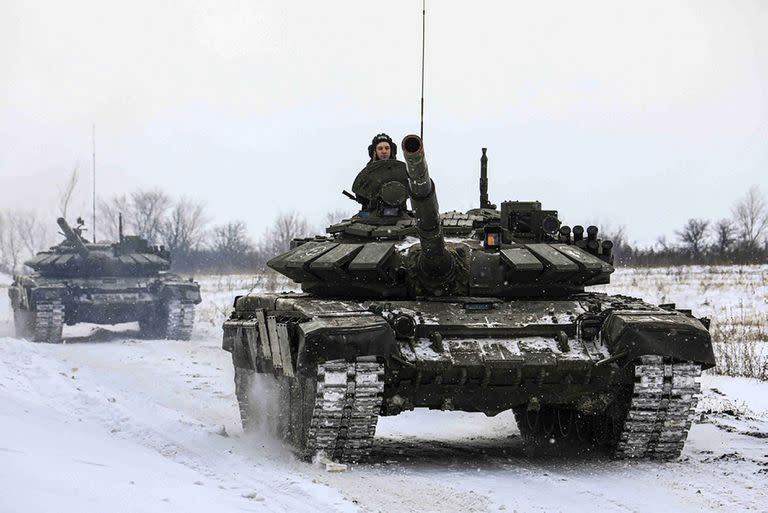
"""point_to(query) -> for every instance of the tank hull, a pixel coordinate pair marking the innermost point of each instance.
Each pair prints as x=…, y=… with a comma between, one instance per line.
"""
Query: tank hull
x=163, y=305
x=578, y=354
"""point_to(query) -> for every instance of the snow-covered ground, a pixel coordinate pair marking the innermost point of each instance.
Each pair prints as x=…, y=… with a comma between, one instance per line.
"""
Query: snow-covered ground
x=111, y=422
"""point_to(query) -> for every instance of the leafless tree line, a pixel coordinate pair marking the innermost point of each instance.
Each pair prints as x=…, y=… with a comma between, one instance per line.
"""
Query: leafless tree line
x=183, y=226
x=178, y=224
x=741, y=238
x=22, y=233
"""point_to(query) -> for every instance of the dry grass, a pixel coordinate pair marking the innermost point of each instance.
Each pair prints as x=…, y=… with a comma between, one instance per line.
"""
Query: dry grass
x=735, y=298
x=740, y=344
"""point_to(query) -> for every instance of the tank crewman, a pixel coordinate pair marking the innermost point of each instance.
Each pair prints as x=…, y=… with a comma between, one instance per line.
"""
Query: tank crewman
x=369, y=179
x=382, y=148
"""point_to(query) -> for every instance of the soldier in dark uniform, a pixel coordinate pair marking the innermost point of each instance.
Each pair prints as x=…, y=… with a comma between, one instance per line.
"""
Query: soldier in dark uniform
x=381, y=186
x=382, y=148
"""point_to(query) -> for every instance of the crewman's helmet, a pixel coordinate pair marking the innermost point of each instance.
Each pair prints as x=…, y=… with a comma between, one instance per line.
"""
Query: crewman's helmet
x=382, y=138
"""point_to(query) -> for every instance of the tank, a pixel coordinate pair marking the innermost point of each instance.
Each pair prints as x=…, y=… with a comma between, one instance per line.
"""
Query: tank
x=480, y=311
x=106, y=283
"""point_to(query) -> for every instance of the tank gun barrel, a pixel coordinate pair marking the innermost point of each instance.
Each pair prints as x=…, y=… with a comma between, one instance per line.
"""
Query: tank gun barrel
x=72, y=237
x=435, y=259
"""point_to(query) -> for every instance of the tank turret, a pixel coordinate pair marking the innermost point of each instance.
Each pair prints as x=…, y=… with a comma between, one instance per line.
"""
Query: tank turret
x=76, y=257
x=73, y=238
x=386, y=250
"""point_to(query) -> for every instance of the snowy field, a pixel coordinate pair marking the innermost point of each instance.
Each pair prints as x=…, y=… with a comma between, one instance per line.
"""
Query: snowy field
x=111, y=422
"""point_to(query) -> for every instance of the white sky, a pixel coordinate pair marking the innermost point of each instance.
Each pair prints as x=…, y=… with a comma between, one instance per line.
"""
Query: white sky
x=635, y=113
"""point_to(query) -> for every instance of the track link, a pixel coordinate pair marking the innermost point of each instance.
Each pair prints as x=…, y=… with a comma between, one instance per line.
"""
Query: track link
x=181, y=319
x=347, y=406
x=49, y=321
x=661, y=409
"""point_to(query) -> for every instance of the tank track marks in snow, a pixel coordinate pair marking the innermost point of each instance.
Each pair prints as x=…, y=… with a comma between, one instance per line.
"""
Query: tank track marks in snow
x=661, y=410
x=49, y=321
x=181, y=319
x=347, y=406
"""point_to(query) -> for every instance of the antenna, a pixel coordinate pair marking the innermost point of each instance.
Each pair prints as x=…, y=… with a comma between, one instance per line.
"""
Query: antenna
x=484, y=203
x=423, y=29
x=93, y=154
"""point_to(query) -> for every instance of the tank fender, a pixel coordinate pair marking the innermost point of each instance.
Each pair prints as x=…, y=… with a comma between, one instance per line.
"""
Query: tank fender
x=242, y=340
x=262, y=342
x=664, y=333
x=187, y=291
x=344, y=337
x=17, y=298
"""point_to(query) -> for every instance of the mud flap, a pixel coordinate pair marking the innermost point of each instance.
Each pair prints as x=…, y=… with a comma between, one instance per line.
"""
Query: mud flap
x=669, y=334
x=346, y=337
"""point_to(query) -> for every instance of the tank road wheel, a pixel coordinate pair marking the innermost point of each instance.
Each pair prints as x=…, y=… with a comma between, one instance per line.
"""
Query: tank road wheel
x=661, y=409
x=24, y=323
x=48, y=321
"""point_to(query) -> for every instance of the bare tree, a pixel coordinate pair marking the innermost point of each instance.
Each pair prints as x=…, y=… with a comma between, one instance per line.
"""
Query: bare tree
x=9, y=244
x=144, y=214
x=725, y=234
x=109, y=210
x=287, y=226
x=335, y=216
x=751, y=217
x=22, y=234
x=67, y=190
x=662, y=244
x=184, y=228
x=231, y=240
x=148, y=211
x=694, y=235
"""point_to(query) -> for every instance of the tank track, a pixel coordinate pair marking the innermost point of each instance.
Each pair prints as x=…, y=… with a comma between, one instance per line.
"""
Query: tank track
x=661, y=409
x=49, y=321
x=650, y=420
x=243, y=379
x=347, y=406
x=181, y=319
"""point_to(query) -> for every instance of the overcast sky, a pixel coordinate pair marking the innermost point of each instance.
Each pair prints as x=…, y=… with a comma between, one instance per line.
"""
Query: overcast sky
x=641, y=114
